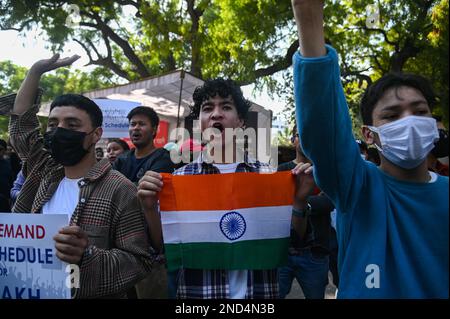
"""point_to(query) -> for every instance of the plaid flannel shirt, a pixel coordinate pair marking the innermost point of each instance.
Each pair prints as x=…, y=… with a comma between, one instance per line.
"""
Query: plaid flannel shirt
x=119, y=253
x=214, y=284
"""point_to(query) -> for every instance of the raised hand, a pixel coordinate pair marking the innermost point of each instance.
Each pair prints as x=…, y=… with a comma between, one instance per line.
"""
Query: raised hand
x=309, y=19
x=53, y=63
x=304, y=181
x=27, y=93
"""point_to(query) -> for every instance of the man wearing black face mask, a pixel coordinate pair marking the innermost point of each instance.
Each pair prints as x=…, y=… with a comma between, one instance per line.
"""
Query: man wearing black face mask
x=440, y=150
x=106, y=237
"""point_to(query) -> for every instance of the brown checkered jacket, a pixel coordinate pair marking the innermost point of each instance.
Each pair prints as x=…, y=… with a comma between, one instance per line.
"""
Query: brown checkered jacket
x=119, y=254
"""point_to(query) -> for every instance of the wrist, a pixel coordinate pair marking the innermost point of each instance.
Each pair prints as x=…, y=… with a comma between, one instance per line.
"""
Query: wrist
x=300, y=203
x=35, y=71
x=301, y=212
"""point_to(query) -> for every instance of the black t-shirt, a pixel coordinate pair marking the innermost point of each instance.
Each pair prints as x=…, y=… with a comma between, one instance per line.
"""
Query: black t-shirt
x=133, y=168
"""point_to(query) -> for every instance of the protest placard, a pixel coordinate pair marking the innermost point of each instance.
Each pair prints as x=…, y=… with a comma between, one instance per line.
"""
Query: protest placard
x=29, y=268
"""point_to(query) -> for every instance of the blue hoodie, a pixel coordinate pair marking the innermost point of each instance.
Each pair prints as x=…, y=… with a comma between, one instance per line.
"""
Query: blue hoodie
x=393, y=235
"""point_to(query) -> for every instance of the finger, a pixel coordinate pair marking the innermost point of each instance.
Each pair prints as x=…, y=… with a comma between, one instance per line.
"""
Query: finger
x=69, y=249
x=152, y=185
x=303, y=167
x=66, y=61
x=54, y=58
x=296, y=169
x=67, y=258
x=143, y=194
x=153, y=174
x=73, y=230
x=70, y=240
x=309, y=170
x=155, y=178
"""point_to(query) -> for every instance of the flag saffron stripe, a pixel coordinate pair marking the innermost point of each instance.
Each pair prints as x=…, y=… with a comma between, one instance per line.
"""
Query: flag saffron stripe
x=226, y=191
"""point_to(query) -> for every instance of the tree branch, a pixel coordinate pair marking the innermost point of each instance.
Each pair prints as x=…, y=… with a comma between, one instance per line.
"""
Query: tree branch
x=18, y=29
x=103, y=61
x=411, y=45
x=378, y=63
x=384, y=33
x=358, y=74
x=128, y=51
x=195, y=14
x=279, y=65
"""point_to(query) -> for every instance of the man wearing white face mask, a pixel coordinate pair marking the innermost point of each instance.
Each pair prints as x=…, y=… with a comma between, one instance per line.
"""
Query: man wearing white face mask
x=392, y=220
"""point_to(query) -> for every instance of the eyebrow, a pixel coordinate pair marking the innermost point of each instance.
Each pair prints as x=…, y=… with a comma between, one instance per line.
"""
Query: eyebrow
x=137, y=121
x=394, y=107
x=221, y=103
x=65, y=119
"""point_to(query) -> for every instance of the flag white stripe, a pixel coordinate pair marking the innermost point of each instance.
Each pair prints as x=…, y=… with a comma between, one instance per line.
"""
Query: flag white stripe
x=204, y=226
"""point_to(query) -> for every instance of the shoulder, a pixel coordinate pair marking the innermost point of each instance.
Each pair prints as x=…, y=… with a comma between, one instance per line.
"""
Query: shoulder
x=125, y=156
x=160, y=153
x=121, y=160
x=159, y=161
x=117, y=182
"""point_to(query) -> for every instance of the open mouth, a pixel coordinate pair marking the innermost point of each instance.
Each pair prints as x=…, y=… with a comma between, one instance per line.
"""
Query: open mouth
x=218, y=126
x=135, y=136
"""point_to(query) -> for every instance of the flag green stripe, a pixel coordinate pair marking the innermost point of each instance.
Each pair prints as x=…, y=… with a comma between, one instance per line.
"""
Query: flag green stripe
x=251, y=254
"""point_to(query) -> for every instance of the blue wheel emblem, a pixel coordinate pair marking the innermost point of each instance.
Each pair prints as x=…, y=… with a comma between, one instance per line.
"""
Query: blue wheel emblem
x=233, y=225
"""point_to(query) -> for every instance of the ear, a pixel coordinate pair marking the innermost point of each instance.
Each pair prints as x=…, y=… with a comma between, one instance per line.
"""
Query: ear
x=97, y=134
x=241, y=123
x=368, y=135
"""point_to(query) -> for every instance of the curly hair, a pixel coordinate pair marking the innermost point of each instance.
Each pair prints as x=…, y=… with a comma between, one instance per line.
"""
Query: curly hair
x=223, y=88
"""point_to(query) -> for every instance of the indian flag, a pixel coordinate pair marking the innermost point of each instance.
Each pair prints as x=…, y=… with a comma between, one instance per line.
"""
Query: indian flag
x=226, y=221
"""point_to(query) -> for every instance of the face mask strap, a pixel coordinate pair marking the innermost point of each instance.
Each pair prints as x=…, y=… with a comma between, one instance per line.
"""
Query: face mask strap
x=89, y=147
x=374, y=130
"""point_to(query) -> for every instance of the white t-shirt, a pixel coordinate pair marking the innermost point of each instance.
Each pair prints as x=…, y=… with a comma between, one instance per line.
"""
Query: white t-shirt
x=65, y=199
x=237, y=278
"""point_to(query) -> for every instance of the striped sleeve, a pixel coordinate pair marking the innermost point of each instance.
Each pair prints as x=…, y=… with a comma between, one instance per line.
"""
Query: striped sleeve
x=25, y=136
x=7, y=103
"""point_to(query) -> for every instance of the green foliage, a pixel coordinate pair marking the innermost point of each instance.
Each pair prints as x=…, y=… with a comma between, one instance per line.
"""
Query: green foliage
x=246, y=40
x=206, y=37
x=410, y=36
x=284, y=137
x=11, y=76
x=53, y=83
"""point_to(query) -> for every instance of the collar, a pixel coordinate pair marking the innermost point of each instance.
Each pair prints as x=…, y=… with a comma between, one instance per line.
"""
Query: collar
x=201, y=164
x=97, y=171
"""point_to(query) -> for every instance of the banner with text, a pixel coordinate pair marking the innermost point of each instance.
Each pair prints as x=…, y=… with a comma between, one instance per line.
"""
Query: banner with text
x=29, y=268
x=115, y=122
